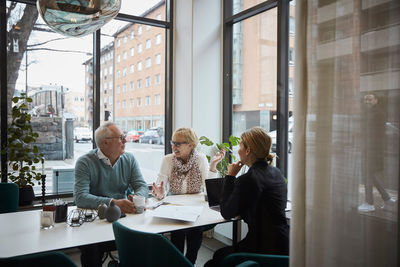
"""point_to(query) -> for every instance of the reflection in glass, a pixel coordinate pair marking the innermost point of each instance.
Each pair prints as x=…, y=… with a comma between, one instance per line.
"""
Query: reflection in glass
x=77, y=18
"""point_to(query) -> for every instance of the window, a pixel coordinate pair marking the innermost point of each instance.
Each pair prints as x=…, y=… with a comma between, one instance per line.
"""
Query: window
x=148, y=81
x=139, y=48
x=118, y=89
x=139, y=102
x=139, y=84
x=110, y=100
x=148, y=62
x=158, y=39
x=291, y=25
x=118, y=58
x=139, y=66
x=124, y=104
x=118, y=105
x=131, y=103
x=132, y=52
x=148, y=27
x=132, y=35
x=157, y=79
x=157, y=99
x=118, y=73
x=124, y=72
x=110, y=70
x=291, y=56
x=124, y=87
x=132, y=68
x=125, y=39
x=148, y=101
x=140, y=30
x=118, y=42
x=110, y=85
x=131, y=86
x=148, y=43
x=158, y=59
x=159, y=17
x=125, y=55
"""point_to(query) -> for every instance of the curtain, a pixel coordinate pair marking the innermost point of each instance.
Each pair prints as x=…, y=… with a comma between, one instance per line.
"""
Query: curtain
x=346, y=133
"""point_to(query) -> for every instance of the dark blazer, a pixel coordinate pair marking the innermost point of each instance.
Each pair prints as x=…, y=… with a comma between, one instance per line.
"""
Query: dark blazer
x=259, y=198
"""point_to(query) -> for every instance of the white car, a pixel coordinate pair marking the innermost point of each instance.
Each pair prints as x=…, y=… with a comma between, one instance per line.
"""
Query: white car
x=82, y=134
x=272, y=134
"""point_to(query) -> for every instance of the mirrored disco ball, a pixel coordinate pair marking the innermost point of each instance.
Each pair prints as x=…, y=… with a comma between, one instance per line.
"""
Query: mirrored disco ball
x=77, y=17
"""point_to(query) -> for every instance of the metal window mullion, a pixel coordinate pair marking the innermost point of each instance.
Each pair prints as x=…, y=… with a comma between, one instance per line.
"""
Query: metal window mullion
x=3, y=85
x=227, y=103
x=96, y=82
x=168, y=78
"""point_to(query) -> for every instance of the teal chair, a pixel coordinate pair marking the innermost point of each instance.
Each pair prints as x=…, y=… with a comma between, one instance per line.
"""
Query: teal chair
x=243, y=259
x=9, y=197
x=151, y=249
x=45, y=259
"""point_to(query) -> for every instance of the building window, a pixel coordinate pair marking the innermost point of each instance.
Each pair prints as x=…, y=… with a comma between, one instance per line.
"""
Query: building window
x=132, y=68
x=110, y=100
x=157, y=99
x=118, y=42
x=124, y=72
x=148, y=43
x=139, y=102
x=139, y=84
x=132, y=34
x=291, y=25
x=131, y=103
x=148, y=81
x=110, y=70
x=139, y=30
x=158, y=17
x=118, y=105
x=124, y=104
x=131, y=86
x=139, y=66
x=118, y=74
x=110, y=85
x=132, y=51
x=125, y=39
x=157, y=79
x=291, y=86
x=291, y=56
x=158, y=39
x=139, y=48
x=124, y=87
x=148, y=101
x=118, y=89
x=125, y=55
x=148, y=62
x=148, y=27
x=158, y=59
x=118, y=58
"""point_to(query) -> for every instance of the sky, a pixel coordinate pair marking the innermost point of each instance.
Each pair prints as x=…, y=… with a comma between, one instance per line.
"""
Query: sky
x=67, y=69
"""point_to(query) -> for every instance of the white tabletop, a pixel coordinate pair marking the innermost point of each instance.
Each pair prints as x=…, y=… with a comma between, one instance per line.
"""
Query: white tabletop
x=20, y=232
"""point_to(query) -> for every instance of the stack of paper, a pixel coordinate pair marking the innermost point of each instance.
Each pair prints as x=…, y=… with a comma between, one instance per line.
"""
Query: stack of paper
x=177, y=212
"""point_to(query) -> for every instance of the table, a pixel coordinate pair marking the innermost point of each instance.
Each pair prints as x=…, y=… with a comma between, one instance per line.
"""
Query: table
x=20, y=232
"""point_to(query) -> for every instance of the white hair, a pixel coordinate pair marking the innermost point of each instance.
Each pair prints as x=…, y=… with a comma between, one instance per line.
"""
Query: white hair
x=103, y=132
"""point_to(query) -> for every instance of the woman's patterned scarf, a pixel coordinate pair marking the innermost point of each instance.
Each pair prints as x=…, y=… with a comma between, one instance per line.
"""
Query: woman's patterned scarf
x=190, y=171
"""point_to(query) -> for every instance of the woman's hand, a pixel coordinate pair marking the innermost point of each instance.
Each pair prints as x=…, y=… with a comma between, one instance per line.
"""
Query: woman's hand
x=217, y=158
x=158, y=191
x=234, y=168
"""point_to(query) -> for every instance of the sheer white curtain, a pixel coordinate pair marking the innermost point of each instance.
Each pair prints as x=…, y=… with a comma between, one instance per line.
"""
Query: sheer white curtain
x=346, y=148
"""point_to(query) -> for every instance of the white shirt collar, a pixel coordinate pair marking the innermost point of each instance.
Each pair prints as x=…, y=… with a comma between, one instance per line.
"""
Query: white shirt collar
x=103, y=157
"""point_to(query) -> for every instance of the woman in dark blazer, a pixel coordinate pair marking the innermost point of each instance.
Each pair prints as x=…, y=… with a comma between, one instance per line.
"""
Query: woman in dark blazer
x=258, y=197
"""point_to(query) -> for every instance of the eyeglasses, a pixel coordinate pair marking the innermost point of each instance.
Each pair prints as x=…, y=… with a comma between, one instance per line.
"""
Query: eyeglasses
x=122, y=137
x=177, y=144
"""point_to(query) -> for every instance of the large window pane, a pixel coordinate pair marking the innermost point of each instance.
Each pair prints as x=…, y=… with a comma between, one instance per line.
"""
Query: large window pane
x=48, y=67
x=254, y=73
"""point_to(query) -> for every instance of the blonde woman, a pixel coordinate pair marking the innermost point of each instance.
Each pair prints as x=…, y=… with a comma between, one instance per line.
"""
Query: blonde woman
x=184, y=172
x=258, y=197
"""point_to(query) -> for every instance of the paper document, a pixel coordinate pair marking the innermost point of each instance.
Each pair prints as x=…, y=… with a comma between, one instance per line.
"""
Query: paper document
x=177, y=212
x=153, y=203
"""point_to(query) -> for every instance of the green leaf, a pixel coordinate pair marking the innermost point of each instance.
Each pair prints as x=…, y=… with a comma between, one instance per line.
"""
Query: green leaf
x=205, y=141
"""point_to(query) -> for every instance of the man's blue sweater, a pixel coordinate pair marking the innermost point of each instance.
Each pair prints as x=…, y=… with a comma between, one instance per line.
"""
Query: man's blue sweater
x=96, y=182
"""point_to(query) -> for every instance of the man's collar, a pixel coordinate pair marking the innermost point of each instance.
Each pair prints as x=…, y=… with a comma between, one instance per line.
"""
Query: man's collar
x=103, y=157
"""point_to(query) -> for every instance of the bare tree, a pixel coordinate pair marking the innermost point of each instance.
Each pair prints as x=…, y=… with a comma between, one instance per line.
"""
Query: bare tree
x=17, y=40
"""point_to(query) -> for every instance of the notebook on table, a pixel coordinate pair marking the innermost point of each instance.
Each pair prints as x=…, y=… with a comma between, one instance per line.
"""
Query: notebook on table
x=214, y=192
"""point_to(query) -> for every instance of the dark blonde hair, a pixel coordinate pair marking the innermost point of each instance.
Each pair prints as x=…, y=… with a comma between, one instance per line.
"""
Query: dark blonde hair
x=188, y=134
x=259, y=142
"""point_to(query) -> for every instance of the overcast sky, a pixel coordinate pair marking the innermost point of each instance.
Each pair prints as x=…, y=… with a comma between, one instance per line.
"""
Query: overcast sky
x=62, y=68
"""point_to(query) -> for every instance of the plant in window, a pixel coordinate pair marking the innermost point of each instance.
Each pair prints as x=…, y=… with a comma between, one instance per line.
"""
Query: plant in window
x=22, y=153
x=222, y=166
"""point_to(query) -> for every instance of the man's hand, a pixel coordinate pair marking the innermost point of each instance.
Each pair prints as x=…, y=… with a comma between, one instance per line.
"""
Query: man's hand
x=125, y=205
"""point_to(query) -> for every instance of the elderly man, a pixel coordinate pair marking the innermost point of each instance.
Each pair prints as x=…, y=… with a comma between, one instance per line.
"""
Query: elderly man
x=104, y=175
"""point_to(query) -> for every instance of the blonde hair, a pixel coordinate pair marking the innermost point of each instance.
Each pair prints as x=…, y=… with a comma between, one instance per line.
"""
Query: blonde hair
x=259, y=142
x=188, y=134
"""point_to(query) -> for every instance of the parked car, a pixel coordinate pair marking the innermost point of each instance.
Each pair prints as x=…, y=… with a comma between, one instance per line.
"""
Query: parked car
x=133, y=136
x=150, y=137
x=272, y=134
x=82, y=134
x=160, y=131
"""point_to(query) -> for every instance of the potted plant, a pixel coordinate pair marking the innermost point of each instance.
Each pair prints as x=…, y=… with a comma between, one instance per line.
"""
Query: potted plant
x=222, y=166
x=22, y=153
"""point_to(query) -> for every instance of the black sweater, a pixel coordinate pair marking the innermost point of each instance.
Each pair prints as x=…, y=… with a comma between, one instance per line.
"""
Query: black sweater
x=259, y=198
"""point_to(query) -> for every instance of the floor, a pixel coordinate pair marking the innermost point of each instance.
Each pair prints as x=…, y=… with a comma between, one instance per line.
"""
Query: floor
x=206, y=251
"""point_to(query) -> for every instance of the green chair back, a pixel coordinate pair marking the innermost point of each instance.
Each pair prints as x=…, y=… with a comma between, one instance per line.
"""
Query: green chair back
x=252, y=259
x=45, y=259
x=9, y=197
x=150, y=249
